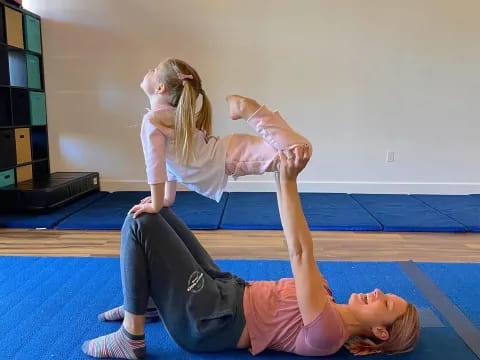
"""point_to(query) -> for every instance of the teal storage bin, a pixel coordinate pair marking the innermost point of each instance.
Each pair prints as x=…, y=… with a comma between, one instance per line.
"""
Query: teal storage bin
x=33, y=72
x=38, y=113
x=33, y=40
x=7, y=177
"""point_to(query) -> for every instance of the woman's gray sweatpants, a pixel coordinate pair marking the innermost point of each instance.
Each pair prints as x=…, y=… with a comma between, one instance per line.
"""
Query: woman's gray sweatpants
x=201, y=306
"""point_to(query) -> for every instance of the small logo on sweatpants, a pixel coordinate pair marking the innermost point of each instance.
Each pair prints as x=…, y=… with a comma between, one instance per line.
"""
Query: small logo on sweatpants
x=195, y=282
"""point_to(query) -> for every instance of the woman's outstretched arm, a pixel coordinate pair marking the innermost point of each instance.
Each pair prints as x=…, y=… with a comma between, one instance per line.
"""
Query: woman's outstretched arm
x=309, y=283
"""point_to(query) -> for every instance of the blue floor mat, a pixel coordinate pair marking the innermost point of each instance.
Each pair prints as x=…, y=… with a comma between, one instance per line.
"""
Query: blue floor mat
x=336, y=212
x=322, y=211
x=199, y=212
x=406, y=213
x=463, y=208
x=109, y=213
x=50, y=307
x=47, y=220
x=258, y=211
x=252, y=210
x=460, y=282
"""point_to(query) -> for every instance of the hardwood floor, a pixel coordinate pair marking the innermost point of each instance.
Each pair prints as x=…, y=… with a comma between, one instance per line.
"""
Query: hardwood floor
x=228, y=244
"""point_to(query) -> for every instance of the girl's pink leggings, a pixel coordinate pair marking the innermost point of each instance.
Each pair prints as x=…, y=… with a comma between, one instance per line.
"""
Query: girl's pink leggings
x=254, y=155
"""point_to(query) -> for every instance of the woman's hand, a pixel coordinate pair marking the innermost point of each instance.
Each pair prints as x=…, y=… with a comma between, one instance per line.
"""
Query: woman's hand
x=293, y=162
x=138, y=209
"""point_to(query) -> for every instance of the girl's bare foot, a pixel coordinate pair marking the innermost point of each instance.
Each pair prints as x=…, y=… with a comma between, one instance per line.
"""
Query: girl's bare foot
x=241, y=107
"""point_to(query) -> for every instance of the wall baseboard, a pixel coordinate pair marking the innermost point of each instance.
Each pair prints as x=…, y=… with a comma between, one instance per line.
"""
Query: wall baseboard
x=320, y=186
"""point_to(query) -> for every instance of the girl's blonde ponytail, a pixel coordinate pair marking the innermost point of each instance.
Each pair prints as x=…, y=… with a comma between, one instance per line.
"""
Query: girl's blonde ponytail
x=184, y=85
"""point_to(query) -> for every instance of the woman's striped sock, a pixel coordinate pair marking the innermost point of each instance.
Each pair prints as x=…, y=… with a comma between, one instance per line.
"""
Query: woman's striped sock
x=118, y=313
x=119, y=345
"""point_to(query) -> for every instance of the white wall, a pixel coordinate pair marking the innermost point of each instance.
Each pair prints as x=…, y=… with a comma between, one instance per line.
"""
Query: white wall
x=359, y=78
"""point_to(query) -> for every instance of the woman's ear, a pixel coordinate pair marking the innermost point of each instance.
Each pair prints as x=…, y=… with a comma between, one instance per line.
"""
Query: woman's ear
x=381, y=332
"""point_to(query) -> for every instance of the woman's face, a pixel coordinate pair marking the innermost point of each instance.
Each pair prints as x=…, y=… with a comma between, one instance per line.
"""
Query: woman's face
x=376, y=308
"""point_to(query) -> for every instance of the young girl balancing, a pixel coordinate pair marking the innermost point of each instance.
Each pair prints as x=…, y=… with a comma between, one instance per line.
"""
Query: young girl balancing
x=178, y=145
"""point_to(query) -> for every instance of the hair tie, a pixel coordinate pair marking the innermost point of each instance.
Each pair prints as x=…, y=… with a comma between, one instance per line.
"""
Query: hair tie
x=183, y=76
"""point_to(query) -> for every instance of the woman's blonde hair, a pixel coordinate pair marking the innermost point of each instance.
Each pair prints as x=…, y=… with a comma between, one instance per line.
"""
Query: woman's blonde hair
x=184, y=85
x=404, y=333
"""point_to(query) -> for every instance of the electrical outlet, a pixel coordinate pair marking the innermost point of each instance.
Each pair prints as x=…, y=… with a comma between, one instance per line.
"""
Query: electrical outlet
x=390, y=156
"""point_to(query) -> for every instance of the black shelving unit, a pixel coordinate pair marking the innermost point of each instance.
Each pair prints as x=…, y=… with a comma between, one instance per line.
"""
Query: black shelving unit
x=24, y=156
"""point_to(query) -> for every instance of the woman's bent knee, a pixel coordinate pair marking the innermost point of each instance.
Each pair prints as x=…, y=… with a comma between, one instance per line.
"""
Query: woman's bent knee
x=141, y=223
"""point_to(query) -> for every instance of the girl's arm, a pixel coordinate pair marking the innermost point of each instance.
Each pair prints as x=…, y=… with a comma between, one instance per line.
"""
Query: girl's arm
x=158, y=196
x=170, y=192
x=154, y=149
x=309, y=283
x=152, y=204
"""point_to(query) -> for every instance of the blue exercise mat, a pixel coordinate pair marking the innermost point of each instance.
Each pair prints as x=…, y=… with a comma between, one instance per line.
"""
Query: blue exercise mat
x=252, y=210
x=336, y=212
x=109, y=213
x=50, y=307
x=48, y=220
x=460, y=282
x=406, y=213
x=322, y=211
x=462, y=208
x=199, y=212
